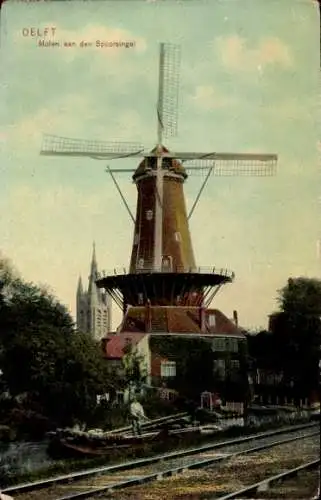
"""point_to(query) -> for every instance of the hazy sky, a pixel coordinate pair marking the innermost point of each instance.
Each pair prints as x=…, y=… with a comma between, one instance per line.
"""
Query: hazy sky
x=249, y=82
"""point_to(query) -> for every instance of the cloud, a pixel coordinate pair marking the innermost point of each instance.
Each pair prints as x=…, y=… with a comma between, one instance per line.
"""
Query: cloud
x=60, y=117
x=3, y=137
x=291, y=109
x=43, y=232
x=236, y=55
x=71, y=116
x=209, y=97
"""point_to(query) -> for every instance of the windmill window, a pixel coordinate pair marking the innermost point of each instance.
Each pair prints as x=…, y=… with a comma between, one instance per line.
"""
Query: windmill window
x=136, y=239
x=177, y=236
x=140, y=263
x=149, y=214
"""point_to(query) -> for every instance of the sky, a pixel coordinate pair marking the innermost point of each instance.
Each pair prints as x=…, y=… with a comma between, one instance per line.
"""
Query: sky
x=249, y=82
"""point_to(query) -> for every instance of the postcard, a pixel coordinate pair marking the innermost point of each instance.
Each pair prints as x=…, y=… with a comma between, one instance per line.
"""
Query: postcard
x=160, y=177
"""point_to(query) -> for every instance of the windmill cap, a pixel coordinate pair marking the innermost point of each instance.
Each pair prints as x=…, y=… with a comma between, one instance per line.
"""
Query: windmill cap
x=170, y=164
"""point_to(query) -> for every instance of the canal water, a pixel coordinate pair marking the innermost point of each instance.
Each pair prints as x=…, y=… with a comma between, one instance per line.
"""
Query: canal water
x=21, y=457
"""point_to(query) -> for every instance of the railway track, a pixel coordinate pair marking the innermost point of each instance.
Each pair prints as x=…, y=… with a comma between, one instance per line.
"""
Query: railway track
x=104, y=480
x=239, y=477
x=266, y=483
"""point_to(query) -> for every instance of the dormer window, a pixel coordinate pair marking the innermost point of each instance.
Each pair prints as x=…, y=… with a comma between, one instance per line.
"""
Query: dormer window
x=212, y=321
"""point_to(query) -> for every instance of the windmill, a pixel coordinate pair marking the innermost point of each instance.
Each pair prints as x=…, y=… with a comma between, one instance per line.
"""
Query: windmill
x=162, y=268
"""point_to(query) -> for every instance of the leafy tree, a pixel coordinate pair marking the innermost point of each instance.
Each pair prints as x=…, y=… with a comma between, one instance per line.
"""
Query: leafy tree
x=295, y=334
x=43, y=355
x=135, y=372
x=301, y=295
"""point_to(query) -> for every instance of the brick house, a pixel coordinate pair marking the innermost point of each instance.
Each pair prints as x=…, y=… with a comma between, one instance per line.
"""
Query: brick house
x=153, y=332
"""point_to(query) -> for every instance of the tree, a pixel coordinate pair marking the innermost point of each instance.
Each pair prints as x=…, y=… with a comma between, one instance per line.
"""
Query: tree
x=135, y=372
x=297, y=332
x=42, y=354
x=301, y=295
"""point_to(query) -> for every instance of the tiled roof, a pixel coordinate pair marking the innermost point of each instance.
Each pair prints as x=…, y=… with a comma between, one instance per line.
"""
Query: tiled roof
x=183, y=321
x=176, y=320
x=222, y=324
x=114, y=344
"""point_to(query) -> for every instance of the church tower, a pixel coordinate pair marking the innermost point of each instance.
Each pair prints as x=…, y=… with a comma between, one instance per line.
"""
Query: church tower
x=93, y=305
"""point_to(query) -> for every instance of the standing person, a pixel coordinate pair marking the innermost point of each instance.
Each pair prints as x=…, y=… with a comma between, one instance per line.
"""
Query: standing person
x=136, y=416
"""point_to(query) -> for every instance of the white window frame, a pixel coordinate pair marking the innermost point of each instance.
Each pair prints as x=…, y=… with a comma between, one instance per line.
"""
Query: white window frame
x=212, y=320
x=168, y=369
x=219, y=344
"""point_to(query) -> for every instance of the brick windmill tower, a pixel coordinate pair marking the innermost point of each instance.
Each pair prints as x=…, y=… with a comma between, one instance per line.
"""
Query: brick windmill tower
x=164, y=291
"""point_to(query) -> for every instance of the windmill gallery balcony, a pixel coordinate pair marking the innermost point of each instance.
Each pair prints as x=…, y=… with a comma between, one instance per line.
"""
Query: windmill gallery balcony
x=178, y=286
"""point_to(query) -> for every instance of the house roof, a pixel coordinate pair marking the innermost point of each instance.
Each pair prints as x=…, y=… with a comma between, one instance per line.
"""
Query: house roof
x=223, y=325
x=177, y=320
x=113, y=345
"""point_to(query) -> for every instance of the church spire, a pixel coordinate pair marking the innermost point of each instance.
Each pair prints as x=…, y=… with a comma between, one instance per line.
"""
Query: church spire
x=93, y=268
x=92, y=289
x=93, y=307
x=80, y=288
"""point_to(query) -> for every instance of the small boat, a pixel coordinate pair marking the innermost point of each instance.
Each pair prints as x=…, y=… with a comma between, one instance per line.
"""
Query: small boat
x=172, y=429
x=85, y=444
x=66, y=444
x=93, y=446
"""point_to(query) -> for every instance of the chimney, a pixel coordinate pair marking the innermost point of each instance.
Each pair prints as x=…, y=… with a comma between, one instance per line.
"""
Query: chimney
x=235, y=318
x=202, y=318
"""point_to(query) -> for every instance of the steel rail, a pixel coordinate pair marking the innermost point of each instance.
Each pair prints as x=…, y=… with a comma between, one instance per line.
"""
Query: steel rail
x=99, y=471
x=176, y=470
x=265, y=483
x=151, y=460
